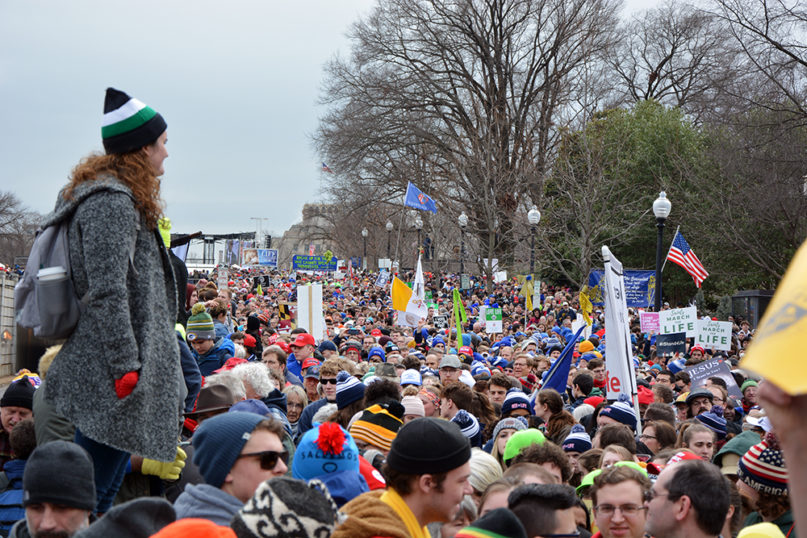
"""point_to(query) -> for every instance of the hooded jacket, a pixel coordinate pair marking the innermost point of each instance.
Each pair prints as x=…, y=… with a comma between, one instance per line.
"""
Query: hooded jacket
x=126, y=325
x=215, y=358
x=207, y=502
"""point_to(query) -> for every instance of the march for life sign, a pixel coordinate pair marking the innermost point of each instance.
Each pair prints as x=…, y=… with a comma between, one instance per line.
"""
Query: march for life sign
x=714, y=334
x=620, y=376
x=679, y=320
x=493, y=320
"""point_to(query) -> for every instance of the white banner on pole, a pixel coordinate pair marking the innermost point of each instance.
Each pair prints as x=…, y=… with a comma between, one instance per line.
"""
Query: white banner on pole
x=618, y=354
x=309, y=310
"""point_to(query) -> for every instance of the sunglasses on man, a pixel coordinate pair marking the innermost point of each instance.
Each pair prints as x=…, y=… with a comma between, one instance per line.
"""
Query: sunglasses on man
x=268, y=458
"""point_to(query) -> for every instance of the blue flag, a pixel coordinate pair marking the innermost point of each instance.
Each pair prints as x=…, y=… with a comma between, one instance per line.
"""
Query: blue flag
x=419, y=200
x=558, y=375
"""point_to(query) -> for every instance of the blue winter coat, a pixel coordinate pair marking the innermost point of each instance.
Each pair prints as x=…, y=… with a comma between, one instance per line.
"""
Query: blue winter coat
x=216, y=357
x=11, y=509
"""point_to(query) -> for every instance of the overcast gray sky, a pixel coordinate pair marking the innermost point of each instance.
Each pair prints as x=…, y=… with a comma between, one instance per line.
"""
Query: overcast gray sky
x=236, y=81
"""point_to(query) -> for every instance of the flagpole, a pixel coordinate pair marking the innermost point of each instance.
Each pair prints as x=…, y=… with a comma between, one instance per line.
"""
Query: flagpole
x=668, y=251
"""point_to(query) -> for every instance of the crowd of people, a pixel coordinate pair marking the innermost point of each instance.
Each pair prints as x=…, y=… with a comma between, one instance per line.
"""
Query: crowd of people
x=225, y=417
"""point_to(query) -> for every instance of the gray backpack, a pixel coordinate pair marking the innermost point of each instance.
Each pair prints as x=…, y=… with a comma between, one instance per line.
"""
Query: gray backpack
x=45, y=299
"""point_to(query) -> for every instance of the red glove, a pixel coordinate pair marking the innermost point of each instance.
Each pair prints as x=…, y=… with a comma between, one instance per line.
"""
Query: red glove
x=126, y=384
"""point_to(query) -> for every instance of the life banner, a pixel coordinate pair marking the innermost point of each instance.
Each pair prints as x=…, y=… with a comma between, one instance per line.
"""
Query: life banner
x=620, y=375
x=640, y=288
x=679, y=320
x=671, y=343
x=702, y=371
x=313, y=263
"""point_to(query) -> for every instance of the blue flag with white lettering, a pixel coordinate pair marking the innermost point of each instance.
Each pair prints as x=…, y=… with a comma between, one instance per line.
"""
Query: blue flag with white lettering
x=419, y=200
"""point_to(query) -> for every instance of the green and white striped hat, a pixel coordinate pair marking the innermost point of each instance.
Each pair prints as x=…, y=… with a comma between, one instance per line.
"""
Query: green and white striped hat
x=128, y=123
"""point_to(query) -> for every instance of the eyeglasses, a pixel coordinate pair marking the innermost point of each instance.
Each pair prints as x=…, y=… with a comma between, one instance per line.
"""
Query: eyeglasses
x=652, y=494
x=328, y=381
x=268, y=458
x=645, y=436
x=628, y=510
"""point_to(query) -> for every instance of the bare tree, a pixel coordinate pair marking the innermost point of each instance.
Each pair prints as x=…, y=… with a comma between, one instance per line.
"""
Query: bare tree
x=676, y=55
x=17, y=228
x=461, y=98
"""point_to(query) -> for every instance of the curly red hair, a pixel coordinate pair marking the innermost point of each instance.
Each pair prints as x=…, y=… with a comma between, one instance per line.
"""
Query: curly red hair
x=133, y=170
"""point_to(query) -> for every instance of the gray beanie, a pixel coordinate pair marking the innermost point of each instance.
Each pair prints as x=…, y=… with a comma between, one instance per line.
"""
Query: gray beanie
x=59, y=472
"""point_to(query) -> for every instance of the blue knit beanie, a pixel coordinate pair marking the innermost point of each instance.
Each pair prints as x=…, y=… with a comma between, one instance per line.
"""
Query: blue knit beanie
x=714, y=420
x=577, y=440
x=218, y=442
x=621, y=411
x=376, y=351
x=469, y=426
x=325, y=449
x=516, y=399
x=348, y=389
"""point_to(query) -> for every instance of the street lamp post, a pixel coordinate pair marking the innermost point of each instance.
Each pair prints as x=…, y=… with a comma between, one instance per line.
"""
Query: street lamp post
x=418, y=226
x=389, y=238
x=463, y=222
x=661, y=209
x=364, y=233
x=533, y=217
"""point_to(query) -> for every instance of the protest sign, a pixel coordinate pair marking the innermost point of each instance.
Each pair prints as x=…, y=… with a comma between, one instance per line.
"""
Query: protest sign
x=671, y=343
x=465, y=282
x=493, y=320
x=620, y=376
x=267, y=256
x=579, y=322
x=250, y=256
x=702, y=371
x=649, y=322
x=499, y=276
x=640, y=288
x=714, y=334
x=313, y=263
x=440, y=322
x=309, y=310
x=679, y=320
x=383, y=278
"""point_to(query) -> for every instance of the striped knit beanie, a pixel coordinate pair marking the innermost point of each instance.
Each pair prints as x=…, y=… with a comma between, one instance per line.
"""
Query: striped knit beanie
x=128, y=124
x=577, y=440
x=714, y=421
x=621, y=411
x=515, y=399
x=469, y=427
x=348, y=389
x=200, y=324
x=376, y=426
x=763, y=467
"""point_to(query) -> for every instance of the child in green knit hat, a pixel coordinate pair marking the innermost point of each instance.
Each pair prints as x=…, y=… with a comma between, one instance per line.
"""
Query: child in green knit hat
x=210, y=354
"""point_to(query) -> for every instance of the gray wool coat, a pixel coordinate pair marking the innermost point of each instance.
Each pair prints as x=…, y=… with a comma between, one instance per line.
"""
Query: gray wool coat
x=126, y=324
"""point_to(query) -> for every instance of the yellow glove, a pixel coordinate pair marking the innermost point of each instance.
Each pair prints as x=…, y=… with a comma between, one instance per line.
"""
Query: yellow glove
x=167, y=470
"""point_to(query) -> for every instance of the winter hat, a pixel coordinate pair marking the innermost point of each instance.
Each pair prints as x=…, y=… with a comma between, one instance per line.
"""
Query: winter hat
x=324, y=449
x=348, y=389
x=411, y=377
x=748, y=383
x=621, y=411
x=509, y=423
x=413, y=406
x=763, y=467
x=128, y=124
x=521, y=440
x=376, y=426
x=19, y=394
x=585, y=346
x=469, y=426
x=143, y=516
x=699, y=393
x=376, y=351
x=515, y=399
x=250, y=405
x=59, y=472
x=327, y=345
x=218, y=442
x=495, y=524
x=447, y=448
x=284, y=507
x=577, y=440
x=200, y=324
x=196, y=527
x=714, y=421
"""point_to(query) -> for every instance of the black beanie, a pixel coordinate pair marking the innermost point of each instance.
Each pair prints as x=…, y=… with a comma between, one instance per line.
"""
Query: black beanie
x=59, y=472
x=447, y=448
x=496, y=523
x=19, y=394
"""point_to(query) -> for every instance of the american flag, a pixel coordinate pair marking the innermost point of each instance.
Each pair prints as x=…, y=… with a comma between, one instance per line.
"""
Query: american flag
x=326, y=168
x=681, y=254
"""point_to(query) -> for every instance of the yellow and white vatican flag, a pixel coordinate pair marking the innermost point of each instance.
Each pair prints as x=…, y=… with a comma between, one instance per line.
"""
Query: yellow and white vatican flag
x=410, y=302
